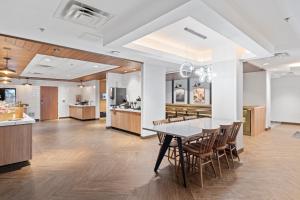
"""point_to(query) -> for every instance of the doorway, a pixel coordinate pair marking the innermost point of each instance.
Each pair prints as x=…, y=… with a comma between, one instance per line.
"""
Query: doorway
x=49, y=103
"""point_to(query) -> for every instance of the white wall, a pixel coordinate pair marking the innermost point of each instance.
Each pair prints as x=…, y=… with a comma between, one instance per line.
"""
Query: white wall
x=67, y=92
x=133, y=85
x=285, y=99
x=257, y=92
x=90, y=93
x=153, y=95
x=227, y=83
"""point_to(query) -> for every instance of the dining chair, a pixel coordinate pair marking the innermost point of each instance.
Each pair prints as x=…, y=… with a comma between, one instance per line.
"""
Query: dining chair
x=231, y=142
x=176, y=119
x=201, y=152
x=221, y=144
x=173, y=147
x=190, y=117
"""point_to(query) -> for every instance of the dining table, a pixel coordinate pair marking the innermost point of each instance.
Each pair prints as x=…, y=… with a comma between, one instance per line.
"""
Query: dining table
x=183, y=130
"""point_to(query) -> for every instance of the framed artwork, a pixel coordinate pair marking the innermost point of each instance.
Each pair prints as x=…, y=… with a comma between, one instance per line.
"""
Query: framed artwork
x=199, y=95
x=180, y=95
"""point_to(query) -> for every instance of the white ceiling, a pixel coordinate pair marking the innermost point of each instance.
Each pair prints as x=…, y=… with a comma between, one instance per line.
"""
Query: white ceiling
x=133, y=19
x=174, y=40
x=264, y=21
x=43, y=66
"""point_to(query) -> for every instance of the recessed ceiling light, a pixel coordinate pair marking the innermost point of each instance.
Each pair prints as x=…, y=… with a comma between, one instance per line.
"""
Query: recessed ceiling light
x=265, y=64
x=47, y=59
x=134, y=69
x=114, y=52
x=95, y=66
x=294, y=64
x=125, y=71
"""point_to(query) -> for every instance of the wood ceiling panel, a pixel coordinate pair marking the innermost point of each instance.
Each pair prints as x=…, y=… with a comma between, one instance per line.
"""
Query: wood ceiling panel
x=23, y=51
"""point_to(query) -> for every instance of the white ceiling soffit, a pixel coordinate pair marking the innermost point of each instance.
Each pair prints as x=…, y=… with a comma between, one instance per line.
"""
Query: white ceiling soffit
x=42, y=66
x=203, y=14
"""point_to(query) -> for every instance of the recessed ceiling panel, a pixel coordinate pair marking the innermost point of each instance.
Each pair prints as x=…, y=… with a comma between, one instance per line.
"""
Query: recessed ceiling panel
x=42, y=66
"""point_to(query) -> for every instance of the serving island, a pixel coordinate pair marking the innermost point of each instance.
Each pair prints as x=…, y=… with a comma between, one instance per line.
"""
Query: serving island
x=16, y=140
x=82, y=112
x=126, y=119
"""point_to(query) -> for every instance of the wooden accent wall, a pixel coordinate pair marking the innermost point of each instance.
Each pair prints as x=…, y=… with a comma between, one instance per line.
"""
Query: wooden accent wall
x=15, y=144
x=102, y=90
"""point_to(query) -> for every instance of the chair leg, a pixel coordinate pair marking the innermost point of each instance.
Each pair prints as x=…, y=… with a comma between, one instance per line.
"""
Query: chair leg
x=231, y=155
x=237, y=155
x=219, y=164
x=226, y=159
x=201, y=173
x=213, y=166
x=175, y=159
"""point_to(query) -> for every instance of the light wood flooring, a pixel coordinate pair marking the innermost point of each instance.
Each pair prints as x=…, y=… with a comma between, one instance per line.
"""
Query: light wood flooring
x=84, y=161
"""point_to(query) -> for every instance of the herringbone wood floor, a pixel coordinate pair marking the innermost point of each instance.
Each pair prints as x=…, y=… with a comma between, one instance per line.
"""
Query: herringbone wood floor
x=82, y=160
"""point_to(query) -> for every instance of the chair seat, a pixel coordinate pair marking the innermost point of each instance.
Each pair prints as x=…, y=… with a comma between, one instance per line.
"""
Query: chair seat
x=194, y=149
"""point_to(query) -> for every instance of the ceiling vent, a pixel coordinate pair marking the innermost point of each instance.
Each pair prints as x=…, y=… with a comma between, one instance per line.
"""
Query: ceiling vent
x=281, y=54
x=83, y=14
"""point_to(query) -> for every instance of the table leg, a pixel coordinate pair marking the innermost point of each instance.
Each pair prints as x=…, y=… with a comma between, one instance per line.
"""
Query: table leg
x=164, y=147
x=179, y=141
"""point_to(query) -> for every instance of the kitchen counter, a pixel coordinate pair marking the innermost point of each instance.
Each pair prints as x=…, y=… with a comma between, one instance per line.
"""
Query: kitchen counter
x=16, y=140
x=126, y=110
x=82, y=112
x=126, y=119
x=25, y=120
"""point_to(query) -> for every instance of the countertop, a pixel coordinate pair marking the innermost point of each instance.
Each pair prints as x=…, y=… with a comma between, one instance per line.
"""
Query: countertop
x=126, y=110
x=81, y=106
x=26, y=120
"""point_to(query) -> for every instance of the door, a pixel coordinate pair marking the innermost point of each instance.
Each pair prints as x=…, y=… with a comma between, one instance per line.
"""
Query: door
x=49, y=103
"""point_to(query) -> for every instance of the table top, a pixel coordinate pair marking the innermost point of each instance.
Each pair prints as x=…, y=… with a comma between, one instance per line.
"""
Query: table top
x=25, y=120
x=189, y=128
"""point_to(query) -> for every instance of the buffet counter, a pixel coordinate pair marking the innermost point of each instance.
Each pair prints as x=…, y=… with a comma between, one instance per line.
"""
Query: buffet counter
x=126, y=119
x=16, y=140
x=82, y=112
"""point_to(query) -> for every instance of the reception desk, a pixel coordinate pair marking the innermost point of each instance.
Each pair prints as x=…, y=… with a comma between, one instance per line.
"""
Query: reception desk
x=16, y=140
x=82, y=112
x=126, y=119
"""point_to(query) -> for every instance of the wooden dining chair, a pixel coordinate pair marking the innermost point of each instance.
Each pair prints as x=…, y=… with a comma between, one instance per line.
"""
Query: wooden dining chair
x=190, y=117
x=221, y=144
x=176, y=119
x=231, y=142
x=160, y=136
x=200, y=153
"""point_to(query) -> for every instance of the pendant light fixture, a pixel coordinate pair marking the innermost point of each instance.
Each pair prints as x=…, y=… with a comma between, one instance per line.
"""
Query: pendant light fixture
x=6, y=70
x=81, y=84
x=27, y=82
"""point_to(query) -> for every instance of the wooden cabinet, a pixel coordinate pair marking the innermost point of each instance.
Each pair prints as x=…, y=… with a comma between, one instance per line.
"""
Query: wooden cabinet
x=15, y=144
x=255, y=120
x=126, y=120
x=82, y=112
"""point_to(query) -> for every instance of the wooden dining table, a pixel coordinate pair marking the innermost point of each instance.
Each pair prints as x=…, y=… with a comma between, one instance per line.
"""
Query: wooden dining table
x=183, y=130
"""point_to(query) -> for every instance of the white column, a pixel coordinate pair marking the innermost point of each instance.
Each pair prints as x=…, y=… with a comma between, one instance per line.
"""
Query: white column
x=153, y=95
x=227, y=87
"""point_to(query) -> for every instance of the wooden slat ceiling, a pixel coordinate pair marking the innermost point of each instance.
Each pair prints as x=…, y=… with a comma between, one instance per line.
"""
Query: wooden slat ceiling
x=22, y=51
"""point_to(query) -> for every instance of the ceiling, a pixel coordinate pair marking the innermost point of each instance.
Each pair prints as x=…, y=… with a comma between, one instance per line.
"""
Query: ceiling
x=183, y=44
x=276, y=22
x=42, y=66
x=23, y=51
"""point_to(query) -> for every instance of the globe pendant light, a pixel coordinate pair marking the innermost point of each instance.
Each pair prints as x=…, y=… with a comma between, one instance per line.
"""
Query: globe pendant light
x=186, y=70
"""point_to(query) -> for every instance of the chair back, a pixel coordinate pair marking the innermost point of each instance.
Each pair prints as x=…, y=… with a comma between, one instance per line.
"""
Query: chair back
x=207, y=140
x=177, y=119
x=223, y=135
x=234, y=131
x=160, y=136
x=190, y=117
